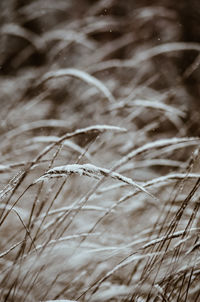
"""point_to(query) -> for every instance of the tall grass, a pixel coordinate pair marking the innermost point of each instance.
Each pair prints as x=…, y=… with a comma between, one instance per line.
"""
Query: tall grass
x=95, y=88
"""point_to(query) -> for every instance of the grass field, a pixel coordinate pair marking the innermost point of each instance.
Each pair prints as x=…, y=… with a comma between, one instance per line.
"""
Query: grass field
x=99, y=147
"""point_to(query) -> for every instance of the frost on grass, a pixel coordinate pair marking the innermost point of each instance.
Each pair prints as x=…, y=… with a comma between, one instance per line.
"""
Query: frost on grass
x=90, y=171
x=51, y=139
x=174, y=142
x=105, y=241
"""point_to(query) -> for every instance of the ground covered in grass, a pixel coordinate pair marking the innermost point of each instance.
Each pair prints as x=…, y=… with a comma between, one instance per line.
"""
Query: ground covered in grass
x=99, y=164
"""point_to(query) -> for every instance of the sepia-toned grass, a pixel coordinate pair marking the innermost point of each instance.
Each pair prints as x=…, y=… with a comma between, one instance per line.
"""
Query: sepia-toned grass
x=95, y=88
